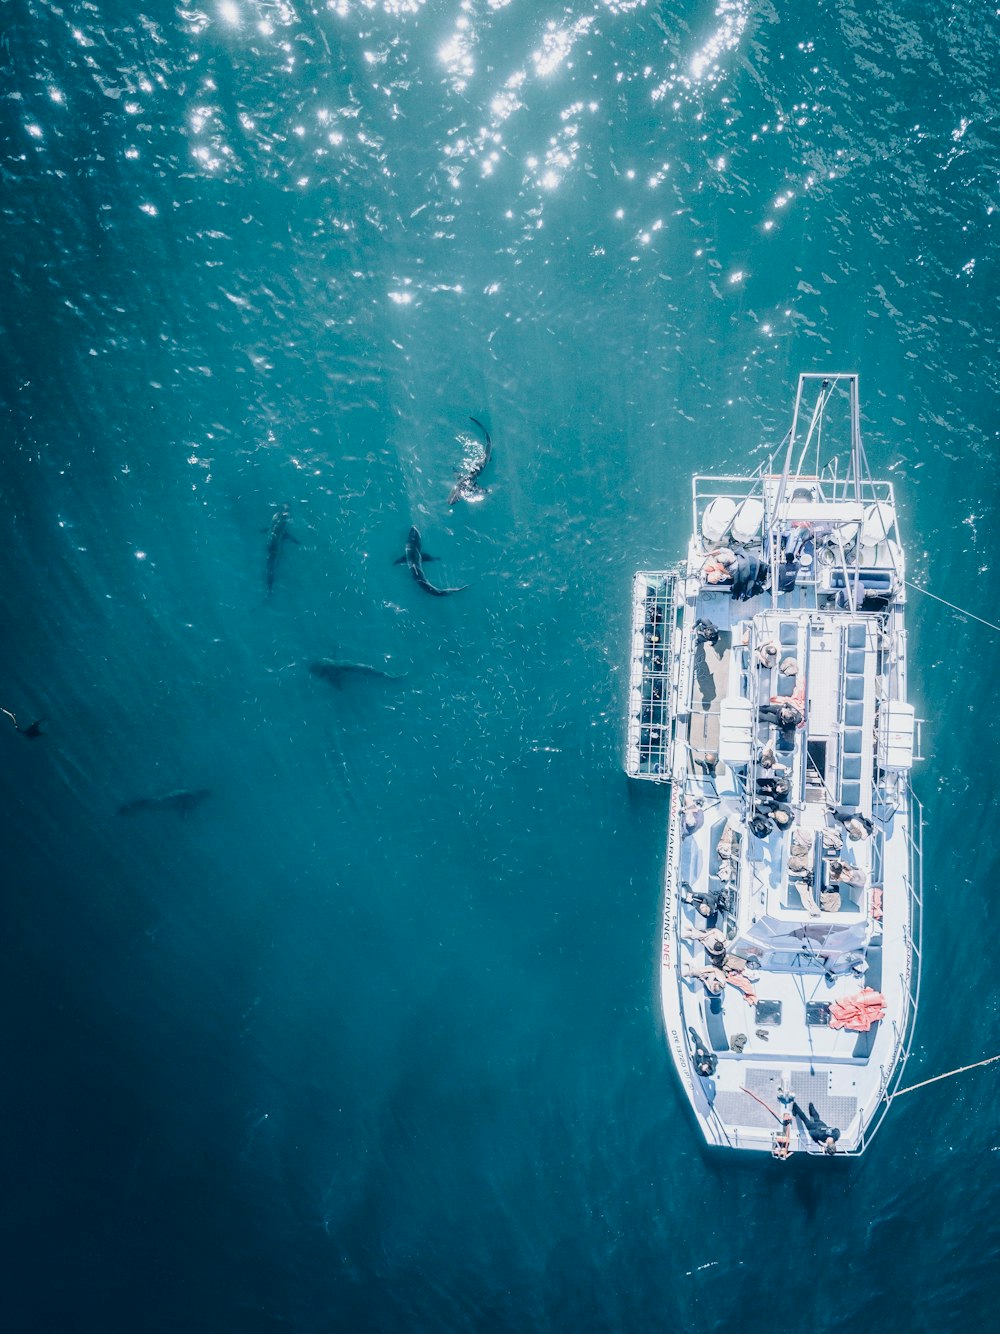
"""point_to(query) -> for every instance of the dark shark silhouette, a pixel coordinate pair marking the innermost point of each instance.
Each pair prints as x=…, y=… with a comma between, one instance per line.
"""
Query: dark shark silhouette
x=31, y=731
x=182, y=800
x=475, y=461
x=277, y=536
x=337, y=672
x=414, y=557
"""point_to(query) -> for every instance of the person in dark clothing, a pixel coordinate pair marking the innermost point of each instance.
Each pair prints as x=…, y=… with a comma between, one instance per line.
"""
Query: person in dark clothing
x=785, y=715
x=788, y=573
x=778, y=812
x=819, y=1131
x=707, y=761
x=858, y=826
x=761, y=826
x=750, y=576
x=705, y=1061
x=773, y=786
x=706, y=632
x=706, y=901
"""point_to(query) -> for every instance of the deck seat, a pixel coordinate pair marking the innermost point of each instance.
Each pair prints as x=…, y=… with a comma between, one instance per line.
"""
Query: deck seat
x=857, y=636
x=788, y=634
x=715, y=1024
x=854, y=713
x=863, y=1046
x=854, y=687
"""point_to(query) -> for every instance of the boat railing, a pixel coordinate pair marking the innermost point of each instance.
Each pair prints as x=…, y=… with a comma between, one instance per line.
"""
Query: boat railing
x=910, y=979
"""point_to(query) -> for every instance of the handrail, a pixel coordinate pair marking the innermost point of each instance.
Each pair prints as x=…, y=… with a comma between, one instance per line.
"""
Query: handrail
x=903, y=1048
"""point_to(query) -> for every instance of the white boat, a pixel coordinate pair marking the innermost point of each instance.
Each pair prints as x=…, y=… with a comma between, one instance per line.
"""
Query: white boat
x=790, y=963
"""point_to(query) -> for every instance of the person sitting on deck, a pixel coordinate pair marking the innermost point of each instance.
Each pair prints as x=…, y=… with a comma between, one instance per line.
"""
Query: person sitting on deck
x=694, y=814
x=773, y=785
x=772, y=806
x=713, y=978
x=829, y=899
x=767, y=654
x=713, y=940
x=705, y=1061
x=800, y=853
x=706, y=901
x=803, y=884
x=840, y=873
x=761, y=826
x=782, y=712
x=833, y=840
x=724, y=847
x=819, y=1131
x=750, y=576
x=719, y=566
x=706, y=632
x=858, y=826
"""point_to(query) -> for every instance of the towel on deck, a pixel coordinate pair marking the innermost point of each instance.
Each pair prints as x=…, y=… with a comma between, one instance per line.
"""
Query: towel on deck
x=742, y=983
x=858, y=1012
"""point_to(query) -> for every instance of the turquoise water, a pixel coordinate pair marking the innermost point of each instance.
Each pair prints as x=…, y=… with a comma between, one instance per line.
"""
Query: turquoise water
x=370, y=1039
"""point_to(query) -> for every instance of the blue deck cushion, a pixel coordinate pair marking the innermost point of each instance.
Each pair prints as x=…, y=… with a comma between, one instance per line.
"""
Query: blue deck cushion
x=855, y=661
x=854, y=713
x=850, y=794
x=877, y=580
x=855, y=687
x=788, y=633
x=852, y=741
x=852, y=767
x=856, y=636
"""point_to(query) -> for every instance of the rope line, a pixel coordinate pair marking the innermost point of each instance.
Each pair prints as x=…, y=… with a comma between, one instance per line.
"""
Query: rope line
x=961, y=610
x=769, y=1109
x=947, y=1075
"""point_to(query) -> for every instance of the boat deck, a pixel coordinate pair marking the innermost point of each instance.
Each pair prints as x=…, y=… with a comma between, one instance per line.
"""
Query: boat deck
x=792, y=896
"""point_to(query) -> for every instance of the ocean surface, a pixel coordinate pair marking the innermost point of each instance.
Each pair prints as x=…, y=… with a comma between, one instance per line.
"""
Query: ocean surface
x=369, y=1040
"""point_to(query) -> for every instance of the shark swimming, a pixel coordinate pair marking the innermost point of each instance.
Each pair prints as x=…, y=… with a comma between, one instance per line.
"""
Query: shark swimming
x=337, y=672
x=277, y=536
x=414, y=557
x=182, y=800
x=476, y=458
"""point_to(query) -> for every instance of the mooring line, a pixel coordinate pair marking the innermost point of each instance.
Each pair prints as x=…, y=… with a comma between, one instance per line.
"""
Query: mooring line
x=947, y=1075
x=961, y=610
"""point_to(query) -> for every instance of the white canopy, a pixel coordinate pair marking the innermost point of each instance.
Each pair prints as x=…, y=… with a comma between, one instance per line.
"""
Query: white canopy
x=814, y=936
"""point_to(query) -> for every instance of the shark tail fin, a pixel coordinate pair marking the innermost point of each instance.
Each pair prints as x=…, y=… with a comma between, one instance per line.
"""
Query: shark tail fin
x=489, y=439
